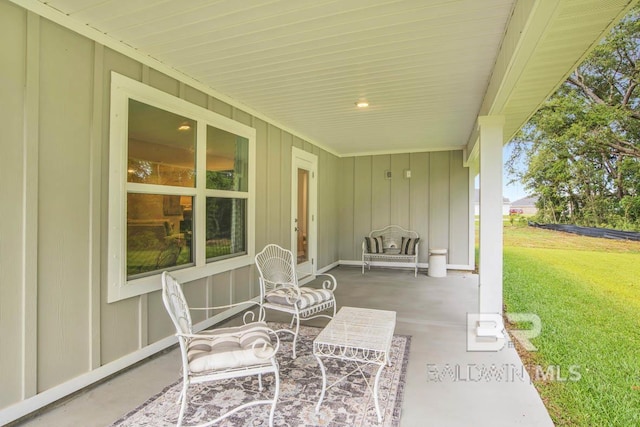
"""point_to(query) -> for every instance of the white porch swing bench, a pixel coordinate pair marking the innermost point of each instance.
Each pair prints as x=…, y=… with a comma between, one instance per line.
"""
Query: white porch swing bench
x=393, y=246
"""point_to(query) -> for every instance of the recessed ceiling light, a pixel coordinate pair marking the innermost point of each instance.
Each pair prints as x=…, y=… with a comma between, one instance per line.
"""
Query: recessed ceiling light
x=362, y=104
x=184, y=127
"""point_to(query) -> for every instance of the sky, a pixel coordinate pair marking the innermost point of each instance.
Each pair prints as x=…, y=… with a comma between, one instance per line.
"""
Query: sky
x=513, y=191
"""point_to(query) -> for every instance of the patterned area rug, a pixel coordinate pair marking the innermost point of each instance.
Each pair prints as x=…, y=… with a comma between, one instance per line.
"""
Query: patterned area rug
x=349, y=403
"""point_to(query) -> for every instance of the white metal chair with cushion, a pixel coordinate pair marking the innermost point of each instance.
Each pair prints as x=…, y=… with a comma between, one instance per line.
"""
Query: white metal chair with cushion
x=222, y=353
x=279, y=290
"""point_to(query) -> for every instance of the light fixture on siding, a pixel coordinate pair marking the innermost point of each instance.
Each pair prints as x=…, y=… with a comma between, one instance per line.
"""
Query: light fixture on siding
x=362, y=104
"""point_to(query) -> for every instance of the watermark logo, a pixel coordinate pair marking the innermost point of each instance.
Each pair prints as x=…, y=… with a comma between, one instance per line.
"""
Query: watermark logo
x=523, y=336
x=556, y=373
x=502, y=373
x=486, y=331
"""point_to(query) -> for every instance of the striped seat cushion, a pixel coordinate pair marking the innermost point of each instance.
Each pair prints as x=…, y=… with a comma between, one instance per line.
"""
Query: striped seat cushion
x=233, y=347
x=308, y=297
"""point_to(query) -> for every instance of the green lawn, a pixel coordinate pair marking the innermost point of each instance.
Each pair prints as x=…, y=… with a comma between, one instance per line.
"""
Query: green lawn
x=587, y=293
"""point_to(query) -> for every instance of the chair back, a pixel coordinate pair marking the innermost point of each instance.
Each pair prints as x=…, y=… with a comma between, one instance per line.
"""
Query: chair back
x=176, y=304
x=276, y=267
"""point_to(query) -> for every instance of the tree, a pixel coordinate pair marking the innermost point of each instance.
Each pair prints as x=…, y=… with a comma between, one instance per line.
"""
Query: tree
x=582, y=147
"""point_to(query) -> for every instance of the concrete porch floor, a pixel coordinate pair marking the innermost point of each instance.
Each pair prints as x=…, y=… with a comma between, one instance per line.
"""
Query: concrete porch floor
x=445, y=384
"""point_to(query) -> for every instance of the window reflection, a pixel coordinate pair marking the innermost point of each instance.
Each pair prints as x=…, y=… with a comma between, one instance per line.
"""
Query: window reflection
x=161, y=146
x=159, y=232
x=227, y=160
x=226, y=227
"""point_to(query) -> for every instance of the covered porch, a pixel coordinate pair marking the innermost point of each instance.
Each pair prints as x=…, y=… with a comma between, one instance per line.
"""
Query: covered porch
x=448, y=82
x=432, y=310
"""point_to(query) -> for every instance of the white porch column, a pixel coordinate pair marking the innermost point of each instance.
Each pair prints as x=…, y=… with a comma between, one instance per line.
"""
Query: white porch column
x=490, y=130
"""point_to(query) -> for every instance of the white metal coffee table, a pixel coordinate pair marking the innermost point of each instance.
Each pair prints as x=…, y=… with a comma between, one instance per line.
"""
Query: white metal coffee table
x=361, y=335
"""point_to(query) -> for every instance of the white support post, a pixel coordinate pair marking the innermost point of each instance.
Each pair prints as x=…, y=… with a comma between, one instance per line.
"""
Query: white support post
x=473, y=173
x=490, y=266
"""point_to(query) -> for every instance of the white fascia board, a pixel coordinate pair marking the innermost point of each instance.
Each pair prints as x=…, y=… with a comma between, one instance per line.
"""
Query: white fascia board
x=520, y=41
x=527, y=26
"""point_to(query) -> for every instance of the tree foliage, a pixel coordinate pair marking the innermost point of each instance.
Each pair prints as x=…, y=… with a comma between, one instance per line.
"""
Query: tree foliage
x=582, y=148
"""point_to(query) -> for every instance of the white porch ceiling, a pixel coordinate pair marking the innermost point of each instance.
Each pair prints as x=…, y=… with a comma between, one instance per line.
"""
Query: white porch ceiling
x=423, y=65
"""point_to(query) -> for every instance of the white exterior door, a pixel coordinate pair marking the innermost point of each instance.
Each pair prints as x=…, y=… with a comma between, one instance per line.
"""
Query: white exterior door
x=303, y=211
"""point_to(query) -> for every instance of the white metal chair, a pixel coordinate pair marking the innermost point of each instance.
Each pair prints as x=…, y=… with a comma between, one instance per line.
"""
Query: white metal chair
x=222, y=353
x=279, y=289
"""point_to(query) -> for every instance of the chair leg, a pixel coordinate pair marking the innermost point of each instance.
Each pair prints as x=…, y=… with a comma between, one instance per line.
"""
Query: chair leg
x=259, y=382
x=295, y=335
x=275, y=398
x=183, y=402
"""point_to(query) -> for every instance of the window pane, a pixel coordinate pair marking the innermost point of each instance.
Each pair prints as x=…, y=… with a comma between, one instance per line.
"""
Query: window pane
x=227, y=160
x=161, y=146
x=226, y=227
x=159, y=233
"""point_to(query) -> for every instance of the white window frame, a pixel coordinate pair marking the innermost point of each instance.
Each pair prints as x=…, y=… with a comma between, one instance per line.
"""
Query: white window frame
x=122, y=89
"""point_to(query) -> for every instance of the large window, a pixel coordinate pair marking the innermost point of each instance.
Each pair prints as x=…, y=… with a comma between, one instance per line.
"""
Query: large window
x=181, y=190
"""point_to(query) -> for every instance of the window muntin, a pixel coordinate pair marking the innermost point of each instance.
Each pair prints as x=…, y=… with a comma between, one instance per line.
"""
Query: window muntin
x=159, y=181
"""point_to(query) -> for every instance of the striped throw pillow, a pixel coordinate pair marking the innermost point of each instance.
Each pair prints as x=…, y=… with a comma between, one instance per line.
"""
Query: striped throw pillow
x=408, y=246
x=374, y=245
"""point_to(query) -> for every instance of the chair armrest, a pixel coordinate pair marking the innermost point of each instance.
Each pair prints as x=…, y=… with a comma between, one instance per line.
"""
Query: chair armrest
x=247, y=317
x=331, y=283
x=219, y=307
x=276, y=347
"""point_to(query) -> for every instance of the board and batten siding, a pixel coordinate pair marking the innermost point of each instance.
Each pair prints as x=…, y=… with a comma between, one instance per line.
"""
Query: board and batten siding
x=434, y=201
x=55, y=322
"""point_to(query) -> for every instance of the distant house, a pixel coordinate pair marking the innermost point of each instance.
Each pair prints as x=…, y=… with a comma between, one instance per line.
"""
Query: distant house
x=526, y=205
x=506, y=204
